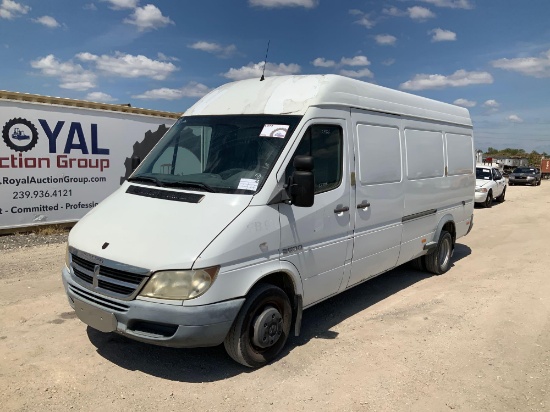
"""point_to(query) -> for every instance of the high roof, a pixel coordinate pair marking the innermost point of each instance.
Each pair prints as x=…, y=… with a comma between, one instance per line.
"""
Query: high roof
x=295, y=94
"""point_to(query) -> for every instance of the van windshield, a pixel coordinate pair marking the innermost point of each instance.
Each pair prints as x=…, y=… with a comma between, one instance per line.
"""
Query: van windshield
x=225, y=154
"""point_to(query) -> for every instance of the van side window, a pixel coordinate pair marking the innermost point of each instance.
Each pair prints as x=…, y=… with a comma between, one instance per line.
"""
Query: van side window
x=325, y=144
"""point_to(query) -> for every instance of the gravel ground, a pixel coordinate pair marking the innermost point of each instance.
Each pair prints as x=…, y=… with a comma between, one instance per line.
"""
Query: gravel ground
x=474, y=339
x=22, y=240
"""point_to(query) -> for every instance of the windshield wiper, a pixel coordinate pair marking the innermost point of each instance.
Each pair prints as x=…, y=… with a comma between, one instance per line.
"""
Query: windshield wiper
x=196, y=185
x=146, y=179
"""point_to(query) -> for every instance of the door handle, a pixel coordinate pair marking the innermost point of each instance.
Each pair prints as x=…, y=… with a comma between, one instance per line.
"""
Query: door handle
x=364, y=204
x=341, y=209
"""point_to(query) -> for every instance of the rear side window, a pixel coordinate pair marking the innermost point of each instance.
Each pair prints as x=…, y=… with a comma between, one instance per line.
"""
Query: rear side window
x=379, y=154
x=325, y=144
x=460, y=158
x=424, y=154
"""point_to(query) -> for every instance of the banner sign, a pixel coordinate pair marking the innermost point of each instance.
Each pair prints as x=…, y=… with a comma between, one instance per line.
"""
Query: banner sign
x=56, y=162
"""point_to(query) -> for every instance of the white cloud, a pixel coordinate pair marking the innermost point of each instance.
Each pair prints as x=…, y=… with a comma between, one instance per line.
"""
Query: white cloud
x=385, y=39
x=364, y=19
x=148, y=17
x=322, y=62
x=465, y=103
x=192, y=89
x=388, y=62
x=453, y=4
x=122, y=4
x=271, y=4
x=100, y=97
x=530, y=66
x=71, y=76
x=395, y=12
x=459, y=78
x=90, y=6
x=10, y=9
x=253, y=70
x=127, y=65
x=165, y=58
x=491, y=103
x=355, y=61
x=442, y=35
x=47, y=21
x=514, y=118
x=214, y=48
x=357, y=74
x=420, y=13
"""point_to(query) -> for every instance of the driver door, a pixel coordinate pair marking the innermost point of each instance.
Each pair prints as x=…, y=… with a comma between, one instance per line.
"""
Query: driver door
x=318, y=239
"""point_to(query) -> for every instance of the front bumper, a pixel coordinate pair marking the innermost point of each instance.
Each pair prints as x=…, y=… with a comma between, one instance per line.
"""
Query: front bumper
x=480, y=197
x=151, y=322
x=524, y=181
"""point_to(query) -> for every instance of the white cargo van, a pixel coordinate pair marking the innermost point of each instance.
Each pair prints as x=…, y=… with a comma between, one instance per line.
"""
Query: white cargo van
x=266, y=198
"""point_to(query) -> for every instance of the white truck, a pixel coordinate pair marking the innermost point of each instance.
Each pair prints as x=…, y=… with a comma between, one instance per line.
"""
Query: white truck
x=60, y=157
x=266, y=198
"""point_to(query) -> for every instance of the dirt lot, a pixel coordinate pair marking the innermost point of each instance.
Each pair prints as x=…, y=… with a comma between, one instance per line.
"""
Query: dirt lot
x=476, y=338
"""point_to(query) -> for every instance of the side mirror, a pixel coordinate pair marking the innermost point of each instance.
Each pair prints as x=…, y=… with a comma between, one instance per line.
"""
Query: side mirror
x=302, y=182
x=135, y=162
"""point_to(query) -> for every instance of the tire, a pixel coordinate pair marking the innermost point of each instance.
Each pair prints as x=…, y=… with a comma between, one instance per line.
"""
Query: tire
x=439, y=261
x=510, y=184
x=264, y=319
x=489, y=200
x=418, y=263
x=500, y=199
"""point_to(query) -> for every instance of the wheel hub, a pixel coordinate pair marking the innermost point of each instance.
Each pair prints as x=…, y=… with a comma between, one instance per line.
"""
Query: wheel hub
x=268, y=327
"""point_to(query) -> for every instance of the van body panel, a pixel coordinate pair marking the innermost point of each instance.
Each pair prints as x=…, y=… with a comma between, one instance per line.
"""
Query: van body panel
x=155, y=233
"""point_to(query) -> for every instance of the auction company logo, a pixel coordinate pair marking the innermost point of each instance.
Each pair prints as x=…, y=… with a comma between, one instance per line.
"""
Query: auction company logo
x=21, y=135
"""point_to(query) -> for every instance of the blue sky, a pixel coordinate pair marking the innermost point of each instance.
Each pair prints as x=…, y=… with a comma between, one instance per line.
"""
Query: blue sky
x=491, y=56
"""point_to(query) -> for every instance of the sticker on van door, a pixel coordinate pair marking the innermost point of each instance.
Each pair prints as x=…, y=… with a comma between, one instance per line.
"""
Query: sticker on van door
x=274, y=130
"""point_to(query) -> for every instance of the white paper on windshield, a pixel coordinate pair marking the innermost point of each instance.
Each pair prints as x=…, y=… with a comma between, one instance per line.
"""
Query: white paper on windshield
x=248, y=184
x=275, y=130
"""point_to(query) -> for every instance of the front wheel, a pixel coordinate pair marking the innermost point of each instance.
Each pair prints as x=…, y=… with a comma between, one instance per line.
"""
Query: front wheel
x=439, y=261
x=261, y=328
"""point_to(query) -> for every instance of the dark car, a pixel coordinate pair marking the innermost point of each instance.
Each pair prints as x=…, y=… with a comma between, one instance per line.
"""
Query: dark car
x=525, y=176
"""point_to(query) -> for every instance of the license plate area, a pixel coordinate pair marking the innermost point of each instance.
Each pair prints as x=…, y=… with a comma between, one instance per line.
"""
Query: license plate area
x=96, y=318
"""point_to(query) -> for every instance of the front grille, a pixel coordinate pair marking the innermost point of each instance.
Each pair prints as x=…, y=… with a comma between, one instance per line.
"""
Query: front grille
x=106, y=279
x=106, y=303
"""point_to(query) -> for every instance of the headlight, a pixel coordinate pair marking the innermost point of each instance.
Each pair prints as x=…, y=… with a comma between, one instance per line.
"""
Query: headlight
x=179, y=284
x=68, y=257
x=481, y=189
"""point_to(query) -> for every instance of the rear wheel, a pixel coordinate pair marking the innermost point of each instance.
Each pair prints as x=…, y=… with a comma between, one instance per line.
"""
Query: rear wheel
x=261, y=328
x=439, y=260
x=501, y=197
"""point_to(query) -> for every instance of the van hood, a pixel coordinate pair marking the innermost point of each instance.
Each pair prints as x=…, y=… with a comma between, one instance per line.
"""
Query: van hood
x=155, y=233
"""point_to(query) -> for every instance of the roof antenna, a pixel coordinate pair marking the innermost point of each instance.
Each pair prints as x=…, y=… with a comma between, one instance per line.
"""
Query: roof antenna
x=265, y=61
